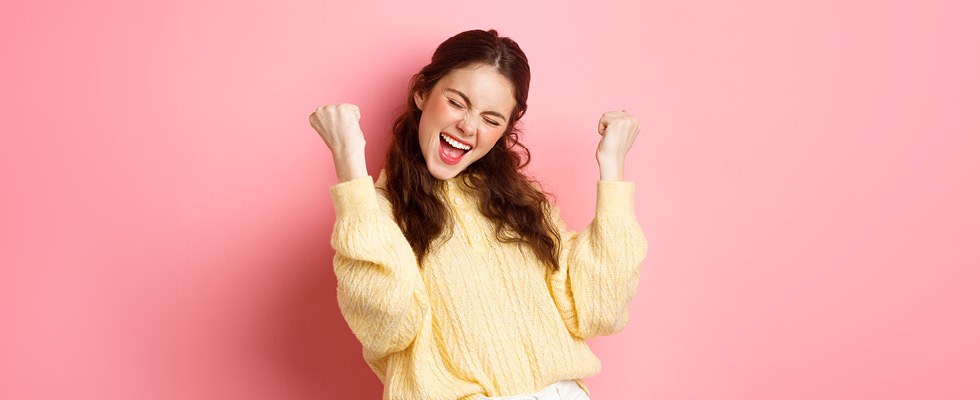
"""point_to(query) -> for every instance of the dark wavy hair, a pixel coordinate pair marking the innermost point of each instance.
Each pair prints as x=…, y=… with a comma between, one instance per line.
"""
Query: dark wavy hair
x=518, y=209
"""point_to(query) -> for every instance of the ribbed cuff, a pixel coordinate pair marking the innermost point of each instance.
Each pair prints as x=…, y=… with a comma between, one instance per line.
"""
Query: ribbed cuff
x=354, y=196
x=614, y=198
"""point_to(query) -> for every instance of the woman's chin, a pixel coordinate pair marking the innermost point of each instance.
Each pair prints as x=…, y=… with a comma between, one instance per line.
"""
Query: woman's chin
x=443, y=172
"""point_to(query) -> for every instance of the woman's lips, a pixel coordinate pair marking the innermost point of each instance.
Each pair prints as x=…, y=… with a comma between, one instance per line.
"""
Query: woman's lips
x=449, y=154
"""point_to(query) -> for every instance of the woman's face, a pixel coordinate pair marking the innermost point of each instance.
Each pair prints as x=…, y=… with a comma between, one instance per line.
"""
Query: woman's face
x=463, y=116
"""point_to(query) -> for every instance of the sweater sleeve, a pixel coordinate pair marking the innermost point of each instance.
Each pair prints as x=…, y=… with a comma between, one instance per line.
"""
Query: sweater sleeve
x=379, y=286
x=599, y=268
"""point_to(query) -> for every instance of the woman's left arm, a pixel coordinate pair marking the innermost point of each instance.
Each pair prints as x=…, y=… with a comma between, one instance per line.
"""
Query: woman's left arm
x=599, y=268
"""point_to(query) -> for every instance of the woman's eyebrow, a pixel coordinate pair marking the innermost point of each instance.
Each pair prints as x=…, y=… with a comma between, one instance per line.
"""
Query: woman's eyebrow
x=467, y=100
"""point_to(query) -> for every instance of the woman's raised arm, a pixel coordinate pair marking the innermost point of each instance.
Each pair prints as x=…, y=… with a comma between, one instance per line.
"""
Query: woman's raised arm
x=599, y=268
x=379, y=287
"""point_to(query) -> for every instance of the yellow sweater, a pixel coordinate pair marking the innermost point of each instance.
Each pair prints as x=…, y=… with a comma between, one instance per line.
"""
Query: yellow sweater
x=481, y=317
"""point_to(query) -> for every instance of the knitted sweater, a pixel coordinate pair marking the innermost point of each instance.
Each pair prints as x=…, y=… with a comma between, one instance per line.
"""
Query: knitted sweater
x=480, y=317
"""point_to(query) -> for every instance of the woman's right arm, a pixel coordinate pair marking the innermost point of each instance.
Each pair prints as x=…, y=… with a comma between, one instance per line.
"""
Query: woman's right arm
x=379, y=284
x=379, y=287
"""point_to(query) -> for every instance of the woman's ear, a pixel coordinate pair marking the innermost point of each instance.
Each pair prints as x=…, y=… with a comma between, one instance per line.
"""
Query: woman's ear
x=419, y=99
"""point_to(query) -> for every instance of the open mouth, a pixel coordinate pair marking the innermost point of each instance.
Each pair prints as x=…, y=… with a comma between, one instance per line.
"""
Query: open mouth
x=451, y=150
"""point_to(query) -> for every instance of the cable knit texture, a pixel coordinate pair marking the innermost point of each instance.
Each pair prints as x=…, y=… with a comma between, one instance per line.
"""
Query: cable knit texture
x=480, y=317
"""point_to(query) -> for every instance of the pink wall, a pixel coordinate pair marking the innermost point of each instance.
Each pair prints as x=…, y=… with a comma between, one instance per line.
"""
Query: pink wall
x=806, y=174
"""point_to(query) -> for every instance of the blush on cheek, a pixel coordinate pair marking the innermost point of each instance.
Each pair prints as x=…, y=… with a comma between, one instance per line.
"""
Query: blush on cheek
x=444, y=107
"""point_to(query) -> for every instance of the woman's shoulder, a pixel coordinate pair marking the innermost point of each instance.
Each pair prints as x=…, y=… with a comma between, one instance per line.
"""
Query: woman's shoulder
x=381, y=189
x=381, y=181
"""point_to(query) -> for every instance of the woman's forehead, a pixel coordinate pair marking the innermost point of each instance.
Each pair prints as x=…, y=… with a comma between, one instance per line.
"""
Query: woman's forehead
x=484, y=86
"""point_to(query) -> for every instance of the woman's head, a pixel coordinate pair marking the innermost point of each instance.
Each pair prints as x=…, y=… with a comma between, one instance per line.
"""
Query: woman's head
x=470, y=95
x=460, y=118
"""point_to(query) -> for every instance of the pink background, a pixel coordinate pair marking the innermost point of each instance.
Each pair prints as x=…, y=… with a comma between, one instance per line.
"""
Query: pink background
x=806, y=177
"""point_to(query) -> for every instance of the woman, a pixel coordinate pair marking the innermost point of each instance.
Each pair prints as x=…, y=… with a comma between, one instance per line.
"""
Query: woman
x=453, y=270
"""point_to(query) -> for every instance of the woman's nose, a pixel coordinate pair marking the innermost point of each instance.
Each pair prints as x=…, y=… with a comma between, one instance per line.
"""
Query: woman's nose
x=468, y=124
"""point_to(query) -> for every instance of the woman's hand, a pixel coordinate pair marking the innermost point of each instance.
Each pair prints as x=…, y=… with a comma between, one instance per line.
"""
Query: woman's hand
x=338, y=126
x=618, y=130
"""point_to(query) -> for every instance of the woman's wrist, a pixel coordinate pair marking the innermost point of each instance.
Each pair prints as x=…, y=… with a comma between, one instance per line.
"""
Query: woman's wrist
x=611, y=168
x=350, y=167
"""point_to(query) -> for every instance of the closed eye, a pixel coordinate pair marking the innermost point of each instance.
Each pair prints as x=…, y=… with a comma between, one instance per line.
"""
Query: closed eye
x=491, y=122
x=455, y=103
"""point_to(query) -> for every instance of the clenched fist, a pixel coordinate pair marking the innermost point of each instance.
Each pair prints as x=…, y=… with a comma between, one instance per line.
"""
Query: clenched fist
x=338, y=125
x=618, y=130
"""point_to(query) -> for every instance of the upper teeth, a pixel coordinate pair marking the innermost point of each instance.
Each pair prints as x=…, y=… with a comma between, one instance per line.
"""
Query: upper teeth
x=454, y=143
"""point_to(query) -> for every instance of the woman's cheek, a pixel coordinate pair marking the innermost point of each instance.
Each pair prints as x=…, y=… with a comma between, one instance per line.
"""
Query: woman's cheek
x=446, y=111
x=487, y=138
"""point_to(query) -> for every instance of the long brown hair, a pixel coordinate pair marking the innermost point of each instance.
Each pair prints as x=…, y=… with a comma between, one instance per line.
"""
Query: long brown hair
x=518, y=209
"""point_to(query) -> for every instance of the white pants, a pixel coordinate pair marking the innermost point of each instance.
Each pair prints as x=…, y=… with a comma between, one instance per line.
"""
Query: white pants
x=563, y=390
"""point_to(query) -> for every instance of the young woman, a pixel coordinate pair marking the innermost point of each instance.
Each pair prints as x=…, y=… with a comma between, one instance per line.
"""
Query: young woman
x=453, y=269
